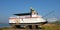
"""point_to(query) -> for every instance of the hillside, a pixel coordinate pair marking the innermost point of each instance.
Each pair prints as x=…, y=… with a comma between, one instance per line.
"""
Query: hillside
x=50, y=27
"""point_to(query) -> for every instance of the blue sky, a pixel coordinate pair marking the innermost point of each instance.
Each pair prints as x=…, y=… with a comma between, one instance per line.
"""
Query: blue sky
x=43, y=7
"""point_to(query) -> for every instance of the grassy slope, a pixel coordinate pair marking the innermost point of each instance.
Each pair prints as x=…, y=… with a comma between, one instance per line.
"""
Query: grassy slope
x=50, y=27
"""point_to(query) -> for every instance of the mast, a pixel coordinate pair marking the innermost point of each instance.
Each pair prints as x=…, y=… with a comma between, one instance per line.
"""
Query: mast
x=33, y=12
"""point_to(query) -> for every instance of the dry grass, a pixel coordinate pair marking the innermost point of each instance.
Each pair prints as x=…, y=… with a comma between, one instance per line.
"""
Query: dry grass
x=50, y=27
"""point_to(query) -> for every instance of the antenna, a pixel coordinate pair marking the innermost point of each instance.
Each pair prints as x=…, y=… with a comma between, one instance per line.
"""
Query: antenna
x=31, y=8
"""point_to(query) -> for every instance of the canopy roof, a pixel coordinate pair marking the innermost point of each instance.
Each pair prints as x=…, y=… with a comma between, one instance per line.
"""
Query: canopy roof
x=22, y=14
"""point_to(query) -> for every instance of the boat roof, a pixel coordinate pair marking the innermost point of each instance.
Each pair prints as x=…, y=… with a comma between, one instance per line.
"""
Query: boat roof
x=22, y=14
